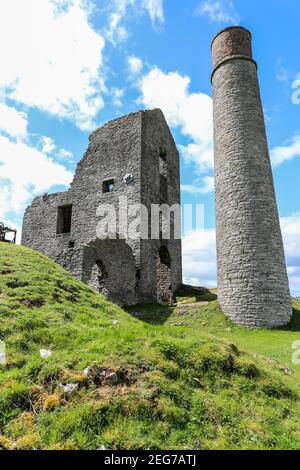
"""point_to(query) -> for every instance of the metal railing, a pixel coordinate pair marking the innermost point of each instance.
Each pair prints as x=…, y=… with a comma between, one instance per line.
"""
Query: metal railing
x=7, y=234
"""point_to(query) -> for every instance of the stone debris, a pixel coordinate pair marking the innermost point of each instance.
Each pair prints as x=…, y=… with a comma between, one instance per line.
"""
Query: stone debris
x=45, y=353
x=69, y=388
x=100, y=376
x=111, y=377
x=91, y=371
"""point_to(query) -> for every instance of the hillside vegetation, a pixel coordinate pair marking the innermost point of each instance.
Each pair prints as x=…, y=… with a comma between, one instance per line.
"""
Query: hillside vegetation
x=154, y=377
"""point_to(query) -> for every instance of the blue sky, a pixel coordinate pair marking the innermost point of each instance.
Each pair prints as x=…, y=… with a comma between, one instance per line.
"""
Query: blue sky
x=69, y=66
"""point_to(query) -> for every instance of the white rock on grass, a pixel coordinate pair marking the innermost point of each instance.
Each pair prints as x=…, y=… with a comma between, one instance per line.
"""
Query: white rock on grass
x=111, y=377
x=91, y=370
x=69, y=388
x=87, y=371
x=2, y=359
x=45, y=353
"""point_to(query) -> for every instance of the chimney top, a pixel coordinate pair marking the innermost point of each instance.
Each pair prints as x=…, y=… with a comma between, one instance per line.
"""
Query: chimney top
x=232, y=42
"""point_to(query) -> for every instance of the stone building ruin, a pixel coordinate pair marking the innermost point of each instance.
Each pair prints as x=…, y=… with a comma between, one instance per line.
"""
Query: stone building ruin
x=133, y=156
x=136, y=156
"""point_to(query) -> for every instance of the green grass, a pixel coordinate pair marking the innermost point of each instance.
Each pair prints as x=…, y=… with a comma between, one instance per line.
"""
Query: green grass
x=186, y=378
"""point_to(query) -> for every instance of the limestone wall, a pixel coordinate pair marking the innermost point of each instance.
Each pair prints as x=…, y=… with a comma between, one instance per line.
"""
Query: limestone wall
x=128, y=145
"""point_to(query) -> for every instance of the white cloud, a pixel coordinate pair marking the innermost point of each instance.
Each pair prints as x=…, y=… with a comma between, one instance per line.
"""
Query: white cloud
x=199, y=254
x=13, y=122
x=116, y=31
x=135, y=65
x=291, y=236
x=206, y=185
x=190, y=112
x=296, y=94
x=63, y=153
x=282, y=74
x=117, y=95
x=219, y=11
x=25, y=172
x=47, y=144
x=200, y=154
x=199, y=258
x=286, y=152
x=25, y=166
x=51, y=58
x=155, y=10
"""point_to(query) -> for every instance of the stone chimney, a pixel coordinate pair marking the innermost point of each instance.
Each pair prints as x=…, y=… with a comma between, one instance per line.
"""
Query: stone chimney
x=253, y=285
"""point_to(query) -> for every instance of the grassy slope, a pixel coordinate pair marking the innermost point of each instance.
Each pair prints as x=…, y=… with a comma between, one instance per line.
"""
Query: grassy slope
x=181, y=380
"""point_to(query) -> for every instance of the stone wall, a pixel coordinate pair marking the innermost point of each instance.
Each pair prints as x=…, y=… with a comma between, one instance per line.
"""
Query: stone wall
x=160, y=158
x=109, y=267
x=129, y=145
x=252, y=278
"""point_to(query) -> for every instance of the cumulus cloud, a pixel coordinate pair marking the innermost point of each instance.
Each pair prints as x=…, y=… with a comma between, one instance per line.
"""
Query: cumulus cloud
x=155, y=10
x=219, y=11
x=117, y=95
x=12, y=121
x=117, y=31
x=199, y=258
x=51, y=58
x=63, y=153
x=199, y=254
x=291, y=236
x=135, y=65
x=206, y=185
x=282, y=74
x=25, y=171
x=47, y=144
x=190, y=112
x=286, y=152
x=200, y=154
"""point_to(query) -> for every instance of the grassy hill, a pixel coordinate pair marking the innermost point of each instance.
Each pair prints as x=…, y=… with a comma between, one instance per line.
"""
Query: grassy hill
x=158, y=377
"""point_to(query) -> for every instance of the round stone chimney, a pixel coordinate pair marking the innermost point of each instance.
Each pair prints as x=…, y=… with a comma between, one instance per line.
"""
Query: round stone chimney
x=253, y=287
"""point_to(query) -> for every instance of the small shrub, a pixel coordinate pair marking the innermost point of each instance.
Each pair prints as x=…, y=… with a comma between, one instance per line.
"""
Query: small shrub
x=28, y=442
x=276, y=389
x=246, y=368
x=51, y=403
x=5, y=444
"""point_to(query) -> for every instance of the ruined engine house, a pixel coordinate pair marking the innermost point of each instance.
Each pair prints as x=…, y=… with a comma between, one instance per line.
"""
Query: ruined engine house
x=134, y=157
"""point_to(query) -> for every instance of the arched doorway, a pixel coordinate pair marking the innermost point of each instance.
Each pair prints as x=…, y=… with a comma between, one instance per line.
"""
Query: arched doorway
x=109, y=268
x=164, y=279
